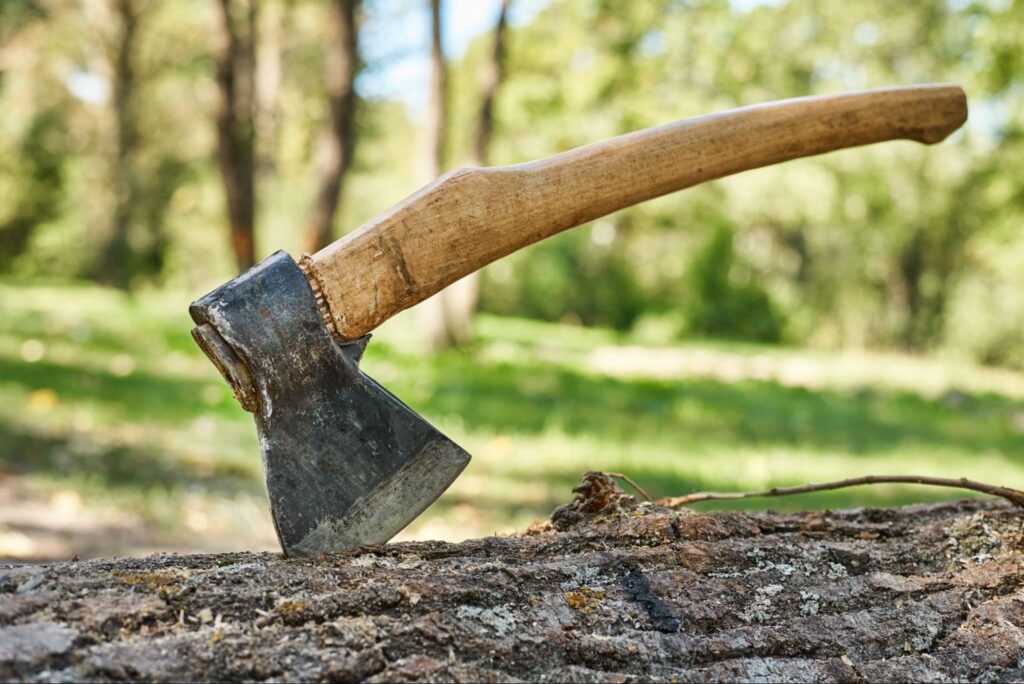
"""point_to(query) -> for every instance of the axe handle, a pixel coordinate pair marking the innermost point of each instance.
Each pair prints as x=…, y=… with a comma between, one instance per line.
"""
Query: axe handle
x=470, y=217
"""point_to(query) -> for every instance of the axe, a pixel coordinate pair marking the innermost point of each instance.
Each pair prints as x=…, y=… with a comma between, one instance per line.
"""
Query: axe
x=346, y=462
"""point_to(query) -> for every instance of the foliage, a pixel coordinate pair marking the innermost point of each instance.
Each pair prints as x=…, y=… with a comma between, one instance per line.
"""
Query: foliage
x=721, y=307
x=567, y=279
x=871, y=247
x=892, y=246
x=39, y=166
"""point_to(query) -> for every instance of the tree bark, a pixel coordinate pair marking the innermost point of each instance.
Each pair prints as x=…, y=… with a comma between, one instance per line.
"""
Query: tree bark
x=236, y=135
x=339, y=136
x=116, y=260
x=609, y=590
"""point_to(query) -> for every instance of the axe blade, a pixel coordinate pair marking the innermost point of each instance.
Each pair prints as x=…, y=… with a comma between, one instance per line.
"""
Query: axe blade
x=346, y=463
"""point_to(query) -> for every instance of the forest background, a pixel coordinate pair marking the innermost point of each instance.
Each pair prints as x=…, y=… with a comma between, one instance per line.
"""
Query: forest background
x=856, y=312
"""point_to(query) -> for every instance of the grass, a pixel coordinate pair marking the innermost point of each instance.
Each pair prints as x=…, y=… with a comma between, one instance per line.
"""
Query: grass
x=106, y=396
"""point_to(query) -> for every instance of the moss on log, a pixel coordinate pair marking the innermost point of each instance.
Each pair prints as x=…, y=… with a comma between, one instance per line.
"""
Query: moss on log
x=610, y=590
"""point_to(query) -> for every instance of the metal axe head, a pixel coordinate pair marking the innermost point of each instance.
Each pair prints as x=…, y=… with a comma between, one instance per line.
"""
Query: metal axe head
x=346, y=462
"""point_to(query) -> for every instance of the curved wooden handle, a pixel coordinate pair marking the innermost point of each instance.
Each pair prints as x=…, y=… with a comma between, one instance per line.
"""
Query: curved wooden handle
x=470, y=217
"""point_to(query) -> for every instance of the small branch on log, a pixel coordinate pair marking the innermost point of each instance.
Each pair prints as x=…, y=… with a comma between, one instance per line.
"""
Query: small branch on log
x=628, y=480
x=1014, y=496
x=610, y=591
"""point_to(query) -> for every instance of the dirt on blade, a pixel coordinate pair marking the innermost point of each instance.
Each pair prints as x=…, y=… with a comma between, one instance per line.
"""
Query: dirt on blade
x=613, y=590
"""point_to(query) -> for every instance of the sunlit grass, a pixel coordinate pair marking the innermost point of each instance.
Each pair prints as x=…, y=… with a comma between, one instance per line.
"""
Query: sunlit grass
x=107, y=396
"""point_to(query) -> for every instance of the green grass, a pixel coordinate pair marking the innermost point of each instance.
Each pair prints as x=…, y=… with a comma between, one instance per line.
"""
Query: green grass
x=107, y=395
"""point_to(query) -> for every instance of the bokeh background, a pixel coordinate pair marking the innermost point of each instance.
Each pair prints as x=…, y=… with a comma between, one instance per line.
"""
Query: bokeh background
x=861, y=312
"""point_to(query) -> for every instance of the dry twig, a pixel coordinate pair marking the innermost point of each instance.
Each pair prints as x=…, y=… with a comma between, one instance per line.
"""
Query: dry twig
x=627, y=479
x=1014, y=496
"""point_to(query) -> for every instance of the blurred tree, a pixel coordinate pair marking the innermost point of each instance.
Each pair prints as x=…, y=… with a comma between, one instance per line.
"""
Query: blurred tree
x=723, y=301
x=115, y=266
x=39, y=159
x=273, y=31
x=437, y=111
x=432, y=313
x=450, y=315
x=891, y=245
x=40, y=168
x=493, y=75
x=14, y=15
x=987, y=309
x=338, y=142
x=862, y=247
x=236, y=133
x=592, y=71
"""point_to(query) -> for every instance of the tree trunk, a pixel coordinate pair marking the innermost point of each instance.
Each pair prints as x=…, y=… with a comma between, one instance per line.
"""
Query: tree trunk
x=274, y=26
x=431, y=312
x=116, y=260
x=339, y=135
x=910, y=270
x=437, y=113
x=494, y=75
x=235, y=55
x=610, y=591
x=450, y=314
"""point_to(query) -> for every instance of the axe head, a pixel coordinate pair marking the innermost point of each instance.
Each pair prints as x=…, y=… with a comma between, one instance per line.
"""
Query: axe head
x=346, y=462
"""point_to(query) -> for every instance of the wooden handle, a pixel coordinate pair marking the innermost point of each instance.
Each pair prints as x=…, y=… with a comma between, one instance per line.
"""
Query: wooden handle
x=470, y=217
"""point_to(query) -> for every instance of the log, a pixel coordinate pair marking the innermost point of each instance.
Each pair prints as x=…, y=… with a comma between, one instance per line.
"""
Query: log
x=608, y=590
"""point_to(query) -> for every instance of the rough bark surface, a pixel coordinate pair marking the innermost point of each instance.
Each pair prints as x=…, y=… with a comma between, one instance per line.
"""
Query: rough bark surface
x=610, y=590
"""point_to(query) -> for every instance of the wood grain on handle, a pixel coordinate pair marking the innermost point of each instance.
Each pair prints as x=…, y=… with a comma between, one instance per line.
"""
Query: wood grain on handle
x=470, y=217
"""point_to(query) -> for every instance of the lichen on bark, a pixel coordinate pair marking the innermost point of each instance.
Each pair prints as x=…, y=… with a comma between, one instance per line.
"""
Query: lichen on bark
x=612, y=590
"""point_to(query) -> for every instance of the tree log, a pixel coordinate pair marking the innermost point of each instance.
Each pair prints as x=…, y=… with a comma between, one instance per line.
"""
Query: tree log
x=608, y=590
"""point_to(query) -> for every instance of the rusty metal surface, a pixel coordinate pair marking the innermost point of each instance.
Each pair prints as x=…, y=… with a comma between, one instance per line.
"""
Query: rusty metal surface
x=346, y=462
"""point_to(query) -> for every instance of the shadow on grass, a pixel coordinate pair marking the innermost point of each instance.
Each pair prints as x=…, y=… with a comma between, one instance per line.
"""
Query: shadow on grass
x=146, y=332
x=138, y=397
x=505, y=398
x=79, y=457
x=532, y=397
